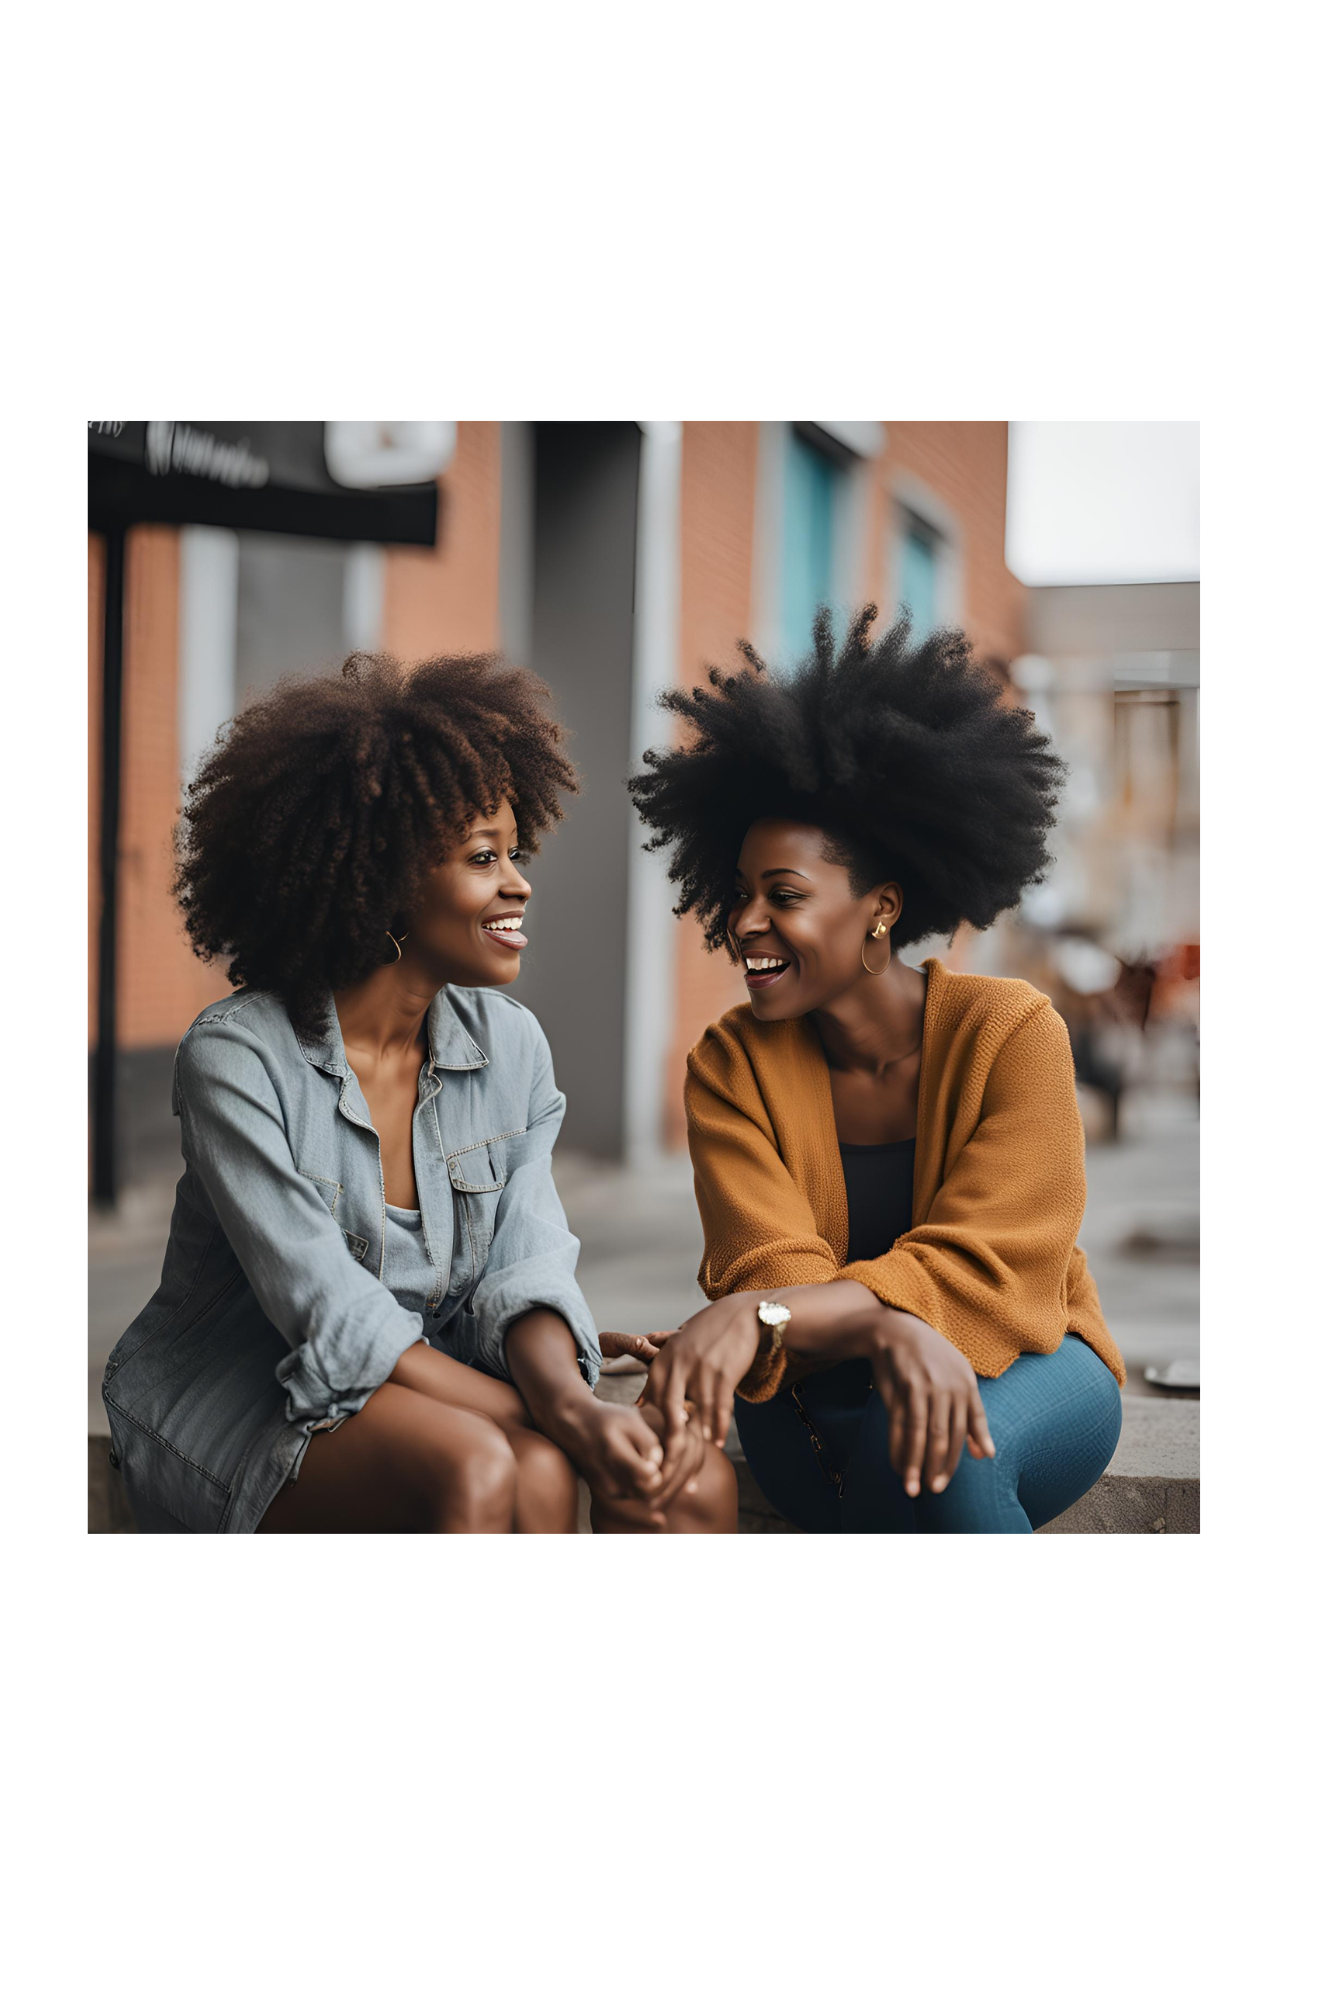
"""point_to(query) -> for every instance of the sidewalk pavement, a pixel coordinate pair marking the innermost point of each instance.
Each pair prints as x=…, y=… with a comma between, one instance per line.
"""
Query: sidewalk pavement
x=641, y=1245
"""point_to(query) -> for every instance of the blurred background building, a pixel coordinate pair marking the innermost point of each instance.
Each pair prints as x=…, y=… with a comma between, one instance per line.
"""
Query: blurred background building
x=618, y=559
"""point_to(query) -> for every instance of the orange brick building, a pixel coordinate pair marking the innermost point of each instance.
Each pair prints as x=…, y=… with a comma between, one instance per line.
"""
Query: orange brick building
x=614, y=558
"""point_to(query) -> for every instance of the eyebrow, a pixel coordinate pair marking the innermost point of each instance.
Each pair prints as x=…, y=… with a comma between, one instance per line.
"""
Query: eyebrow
x=782, y=871
x=485, y=833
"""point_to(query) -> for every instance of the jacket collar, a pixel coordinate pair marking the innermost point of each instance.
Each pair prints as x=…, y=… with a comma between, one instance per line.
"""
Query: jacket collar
x=450, y=1044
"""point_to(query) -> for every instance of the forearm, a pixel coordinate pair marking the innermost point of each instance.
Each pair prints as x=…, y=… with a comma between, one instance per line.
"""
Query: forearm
x=543, y=1364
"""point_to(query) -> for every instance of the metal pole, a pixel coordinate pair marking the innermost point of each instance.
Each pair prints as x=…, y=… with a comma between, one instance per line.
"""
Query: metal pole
x=104, y=1062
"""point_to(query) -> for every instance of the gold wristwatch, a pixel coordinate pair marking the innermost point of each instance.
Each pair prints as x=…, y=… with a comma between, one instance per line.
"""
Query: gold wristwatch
x=777, y=1319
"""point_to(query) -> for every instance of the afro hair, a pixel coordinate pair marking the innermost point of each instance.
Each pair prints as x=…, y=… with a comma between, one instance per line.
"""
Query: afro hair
x=906, y=756
x=310, y=827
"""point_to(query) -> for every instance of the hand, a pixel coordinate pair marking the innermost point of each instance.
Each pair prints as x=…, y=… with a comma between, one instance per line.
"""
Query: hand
x=644, y=1347
x=682, y=1474
x=934, y=1404
x=701, y=1364
x=617, y=1450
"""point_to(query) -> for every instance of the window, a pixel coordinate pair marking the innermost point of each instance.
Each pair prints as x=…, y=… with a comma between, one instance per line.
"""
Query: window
x=810, y=479
x=919, y=573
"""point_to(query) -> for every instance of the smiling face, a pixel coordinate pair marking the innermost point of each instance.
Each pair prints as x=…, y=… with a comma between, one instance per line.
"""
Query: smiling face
x=796, y=925
x=467, y=928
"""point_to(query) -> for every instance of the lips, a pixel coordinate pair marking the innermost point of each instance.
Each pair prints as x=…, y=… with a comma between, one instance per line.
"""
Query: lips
x=764, y=969
x=506, y=931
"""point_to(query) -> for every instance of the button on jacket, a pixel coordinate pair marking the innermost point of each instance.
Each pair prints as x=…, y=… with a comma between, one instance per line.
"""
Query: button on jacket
x=271, y=1320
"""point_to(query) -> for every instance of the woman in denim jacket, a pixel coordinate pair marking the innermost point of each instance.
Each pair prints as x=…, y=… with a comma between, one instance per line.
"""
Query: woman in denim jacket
x=369, y=1280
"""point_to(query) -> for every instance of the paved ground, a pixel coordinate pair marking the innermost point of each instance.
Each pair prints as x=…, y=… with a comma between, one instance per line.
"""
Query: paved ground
x=641, y=1244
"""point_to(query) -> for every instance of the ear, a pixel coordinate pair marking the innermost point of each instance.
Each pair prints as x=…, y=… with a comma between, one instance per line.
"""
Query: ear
x=888, y=905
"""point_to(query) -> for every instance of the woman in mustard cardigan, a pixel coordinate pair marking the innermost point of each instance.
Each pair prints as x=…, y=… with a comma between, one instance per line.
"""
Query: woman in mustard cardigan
x=888, y=1162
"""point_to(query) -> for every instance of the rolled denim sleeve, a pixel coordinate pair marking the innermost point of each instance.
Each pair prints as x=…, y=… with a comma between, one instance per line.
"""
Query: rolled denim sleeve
x=533, y=1254
x=345, y=1329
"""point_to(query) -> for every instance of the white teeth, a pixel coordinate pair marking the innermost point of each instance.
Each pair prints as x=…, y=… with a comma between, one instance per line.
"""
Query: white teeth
x=504, y=924
x=763, y=964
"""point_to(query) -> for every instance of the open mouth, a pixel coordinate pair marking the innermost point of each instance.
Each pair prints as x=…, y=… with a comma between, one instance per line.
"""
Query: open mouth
x=506, y=931
x=763, y=968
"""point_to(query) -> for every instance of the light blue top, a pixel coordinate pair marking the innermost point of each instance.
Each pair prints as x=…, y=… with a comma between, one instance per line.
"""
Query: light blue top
x=288, y=1290
x=408, y=1271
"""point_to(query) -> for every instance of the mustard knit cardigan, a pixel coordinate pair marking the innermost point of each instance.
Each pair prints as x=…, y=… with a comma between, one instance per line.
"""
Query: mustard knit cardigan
x=991, y=1259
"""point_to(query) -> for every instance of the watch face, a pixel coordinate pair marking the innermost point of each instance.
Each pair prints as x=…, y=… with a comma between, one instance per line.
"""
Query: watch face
x=774, y=1315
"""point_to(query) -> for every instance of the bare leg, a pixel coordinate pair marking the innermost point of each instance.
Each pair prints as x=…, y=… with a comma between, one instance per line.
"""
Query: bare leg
x=546, y=1501
x=711, y=1510
x=405, y=1464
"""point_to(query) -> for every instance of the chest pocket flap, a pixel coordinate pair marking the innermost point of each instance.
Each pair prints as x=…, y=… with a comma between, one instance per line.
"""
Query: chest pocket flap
x=479, y=1169
x=330, y=1192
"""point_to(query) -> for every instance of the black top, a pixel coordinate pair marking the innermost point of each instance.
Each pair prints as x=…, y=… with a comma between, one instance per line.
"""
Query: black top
x=879, y=1196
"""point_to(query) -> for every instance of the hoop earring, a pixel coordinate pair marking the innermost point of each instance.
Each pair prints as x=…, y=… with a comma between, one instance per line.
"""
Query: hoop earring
x=878, y=932
x=397, y=942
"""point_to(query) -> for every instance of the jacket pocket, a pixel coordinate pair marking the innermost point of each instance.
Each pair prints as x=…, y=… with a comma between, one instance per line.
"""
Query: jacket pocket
x=330, y=1193
x=156, y=1471
x=328, y=1190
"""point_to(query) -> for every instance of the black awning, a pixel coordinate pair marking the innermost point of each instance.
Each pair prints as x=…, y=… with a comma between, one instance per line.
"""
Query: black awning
x=272, y=477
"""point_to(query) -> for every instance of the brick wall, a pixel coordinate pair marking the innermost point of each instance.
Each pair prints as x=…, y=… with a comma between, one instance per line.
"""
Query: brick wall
x=967, y=466
x=447, y=599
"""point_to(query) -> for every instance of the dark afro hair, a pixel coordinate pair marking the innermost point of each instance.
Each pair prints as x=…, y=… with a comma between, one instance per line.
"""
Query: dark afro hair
x=906, y=756
x=312, y=824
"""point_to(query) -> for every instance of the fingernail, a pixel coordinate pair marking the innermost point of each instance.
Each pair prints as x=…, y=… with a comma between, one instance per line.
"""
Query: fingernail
x=693, y=1486
x=938, y=1485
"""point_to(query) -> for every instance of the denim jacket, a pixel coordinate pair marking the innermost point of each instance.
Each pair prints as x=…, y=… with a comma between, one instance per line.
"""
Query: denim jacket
x=270, y=1321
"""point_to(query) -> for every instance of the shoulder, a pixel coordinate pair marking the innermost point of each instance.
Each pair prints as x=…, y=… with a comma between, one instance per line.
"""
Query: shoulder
x=993, y=1014
x=257, y=1021
x=978, y=999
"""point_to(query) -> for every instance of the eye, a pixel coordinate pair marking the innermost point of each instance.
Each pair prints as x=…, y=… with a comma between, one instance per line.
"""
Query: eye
x=484, y=855
x=518, y=857
x=784, y=897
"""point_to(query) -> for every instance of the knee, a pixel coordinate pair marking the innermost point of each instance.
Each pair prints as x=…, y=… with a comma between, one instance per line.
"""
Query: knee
x=548, y=1485
x=476, y=1486
x=711, y=1508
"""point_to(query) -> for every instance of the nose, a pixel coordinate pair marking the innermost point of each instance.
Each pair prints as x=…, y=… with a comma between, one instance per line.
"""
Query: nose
x=516, y=884
x=746, y=925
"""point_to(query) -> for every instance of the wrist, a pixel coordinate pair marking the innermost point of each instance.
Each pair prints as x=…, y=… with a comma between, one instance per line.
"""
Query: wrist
x=886, y=1328
x=569, y=1416
x=838, y=1321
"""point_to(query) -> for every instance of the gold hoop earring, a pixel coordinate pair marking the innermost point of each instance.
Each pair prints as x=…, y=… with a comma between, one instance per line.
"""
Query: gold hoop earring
x=397, y=944
x=878, y=932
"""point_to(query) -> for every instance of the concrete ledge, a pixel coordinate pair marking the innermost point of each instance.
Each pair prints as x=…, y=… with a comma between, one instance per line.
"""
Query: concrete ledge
x=1151, y=1486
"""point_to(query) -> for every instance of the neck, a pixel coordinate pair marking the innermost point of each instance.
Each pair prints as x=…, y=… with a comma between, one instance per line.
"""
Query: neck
x=385, y=1015
x=876, y=1022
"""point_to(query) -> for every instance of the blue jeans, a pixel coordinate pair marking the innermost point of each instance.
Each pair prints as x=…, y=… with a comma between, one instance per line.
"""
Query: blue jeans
x=820, y=1450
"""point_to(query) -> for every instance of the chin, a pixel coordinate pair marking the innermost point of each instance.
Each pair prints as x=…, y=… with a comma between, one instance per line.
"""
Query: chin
x=770, y=1007
x=480, y=976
